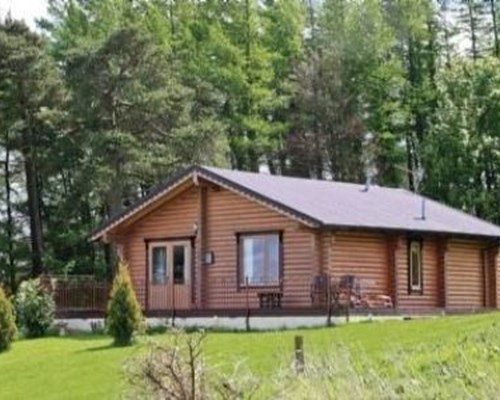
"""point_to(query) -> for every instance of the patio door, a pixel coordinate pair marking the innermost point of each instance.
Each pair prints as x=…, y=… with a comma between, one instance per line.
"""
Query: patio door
x=170, y=275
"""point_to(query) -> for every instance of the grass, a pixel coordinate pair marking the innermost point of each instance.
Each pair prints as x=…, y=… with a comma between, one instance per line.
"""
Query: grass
x=86, y=366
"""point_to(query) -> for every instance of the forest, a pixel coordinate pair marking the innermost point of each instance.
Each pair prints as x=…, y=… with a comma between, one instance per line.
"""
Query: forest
x=109, y=97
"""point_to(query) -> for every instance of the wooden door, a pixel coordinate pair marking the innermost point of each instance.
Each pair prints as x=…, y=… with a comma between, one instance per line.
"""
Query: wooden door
x=170, y=275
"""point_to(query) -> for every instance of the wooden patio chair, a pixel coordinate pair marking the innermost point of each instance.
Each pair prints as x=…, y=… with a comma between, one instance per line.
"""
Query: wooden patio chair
x=319, y=289
x=349, y=288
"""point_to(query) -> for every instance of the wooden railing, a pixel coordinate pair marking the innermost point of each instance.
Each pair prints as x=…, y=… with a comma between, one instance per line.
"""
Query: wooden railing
x=79, y=293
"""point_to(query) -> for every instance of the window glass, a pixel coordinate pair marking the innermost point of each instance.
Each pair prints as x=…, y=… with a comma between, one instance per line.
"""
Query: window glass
x=179, y=265
x=260, y=259
x=415, y=266
x=159, y=265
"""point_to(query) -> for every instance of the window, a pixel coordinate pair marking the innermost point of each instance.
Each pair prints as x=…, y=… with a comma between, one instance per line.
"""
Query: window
x=159, y=265
x=415, y=270
x=170, y=262
x=259, y=259
x=179, y=264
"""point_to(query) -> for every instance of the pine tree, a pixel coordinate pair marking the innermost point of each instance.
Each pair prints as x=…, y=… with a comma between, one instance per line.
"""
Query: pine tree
x=30, y=89
x=124, y=317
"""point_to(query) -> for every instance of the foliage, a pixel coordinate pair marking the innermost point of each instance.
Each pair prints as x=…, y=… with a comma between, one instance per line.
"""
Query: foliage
x=30, y=93
x=35, y=308
x=124, y=317
x=7, y=322
x=468, y=130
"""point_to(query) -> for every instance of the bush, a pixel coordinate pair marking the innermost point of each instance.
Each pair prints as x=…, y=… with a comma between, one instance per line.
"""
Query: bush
x=35, y=308
x=124, y=316
x=175, y=369
x=7, y=322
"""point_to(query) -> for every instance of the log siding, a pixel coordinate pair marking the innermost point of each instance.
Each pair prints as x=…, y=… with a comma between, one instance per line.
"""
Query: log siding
x=465, y=279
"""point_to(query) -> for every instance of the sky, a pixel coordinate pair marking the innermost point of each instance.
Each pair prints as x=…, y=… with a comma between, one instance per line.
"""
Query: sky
x=29, y=10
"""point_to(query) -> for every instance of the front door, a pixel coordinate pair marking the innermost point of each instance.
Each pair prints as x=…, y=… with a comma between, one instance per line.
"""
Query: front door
x=170, y=275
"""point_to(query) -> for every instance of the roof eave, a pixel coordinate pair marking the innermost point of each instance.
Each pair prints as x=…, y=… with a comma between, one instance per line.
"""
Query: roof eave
x=358, y=228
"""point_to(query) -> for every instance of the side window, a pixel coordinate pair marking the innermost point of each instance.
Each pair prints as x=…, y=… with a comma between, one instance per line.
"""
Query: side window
x=415, y=267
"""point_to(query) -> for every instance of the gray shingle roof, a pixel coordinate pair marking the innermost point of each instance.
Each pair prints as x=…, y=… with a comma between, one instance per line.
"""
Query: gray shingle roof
x=329, y=204
x=350, y=205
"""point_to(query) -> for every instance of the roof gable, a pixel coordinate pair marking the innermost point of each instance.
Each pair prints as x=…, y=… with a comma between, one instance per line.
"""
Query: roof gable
x=194, y=173
x=328, y=204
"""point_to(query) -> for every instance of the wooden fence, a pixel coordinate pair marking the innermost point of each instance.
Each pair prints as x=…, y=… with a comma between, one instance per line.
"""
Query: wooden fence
x=79, y=293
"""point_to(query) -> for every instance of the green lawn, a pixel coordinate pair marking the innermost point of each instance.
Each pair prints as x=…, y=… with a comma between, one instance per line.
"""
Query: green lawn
x=86, y=367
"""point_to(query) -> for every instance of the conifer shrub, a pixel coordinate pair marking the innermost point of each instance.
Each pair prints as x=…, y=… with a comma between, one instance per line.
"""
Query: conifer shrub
x=124, y=317
x=35, y=308
x=7, y=322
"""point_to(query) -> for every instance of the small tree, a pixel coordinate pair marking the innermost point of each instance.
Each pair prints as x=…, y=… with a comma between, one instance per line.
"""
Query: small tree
x=35, y=308
x=7, y=322
x=175, y=369
x=124, y=316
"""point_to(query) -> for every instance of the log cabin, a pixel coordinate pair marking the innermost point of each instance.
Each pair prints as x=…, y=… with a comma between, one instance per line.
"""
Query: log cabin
x=212, y=241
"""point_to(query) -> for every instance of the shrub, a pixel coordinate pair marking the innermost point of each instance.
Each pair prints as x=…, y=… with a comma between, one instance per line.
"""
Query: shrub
x=35, y=308
x=124, y=316
x=175, y=369
x=7, y=322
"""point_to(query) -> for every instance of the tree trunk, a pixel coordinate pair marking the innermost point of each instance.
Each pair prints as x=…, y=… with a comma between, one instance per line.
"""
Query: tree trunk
x=36, y=229
x=472, y=25
x=32, y=188
x=317, y=80
x=252, y=154
x=493, y=11
x=10, y=221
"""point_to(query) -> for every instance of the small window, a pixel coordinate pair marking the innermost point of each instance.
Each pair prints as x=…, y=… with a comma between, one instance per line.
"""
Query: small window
x=415, y=273
x=260, y=259
x=159, y=265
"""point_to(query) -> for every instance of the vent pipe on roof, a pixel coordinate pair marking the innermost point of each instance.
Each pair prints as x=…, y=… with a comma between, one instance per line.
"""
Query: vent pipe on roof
x=423, y=208
x=370, y=172
x=368, y=183
x=418, y=176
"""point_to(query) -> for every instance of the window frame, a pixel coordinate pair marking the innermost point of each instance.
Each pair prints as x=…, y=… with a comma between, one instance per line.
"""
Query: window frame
x=415, y=289
x=239, y=258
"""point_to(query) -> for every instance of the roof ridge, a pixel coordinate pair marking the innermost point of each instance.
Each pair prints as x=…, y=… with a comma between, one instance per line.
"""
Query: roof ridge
x=317, y=180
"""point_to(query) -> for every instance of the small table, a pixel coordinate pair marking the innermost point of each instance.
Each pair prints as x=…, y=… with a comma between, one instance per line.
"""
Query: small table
x=270, y=299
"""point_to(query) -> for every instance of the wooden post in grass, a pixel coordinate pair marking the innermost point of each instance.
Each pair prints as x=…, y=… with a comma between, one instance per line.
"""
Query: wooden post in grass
x=329, y=300
x=173, y=303
x=299, y=354
x=247, y=318
x=348, y=305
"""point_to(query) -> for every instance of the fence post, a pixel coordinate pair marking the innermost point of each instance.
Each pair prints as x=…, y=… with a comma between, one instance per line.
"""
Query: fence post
x=173, y=302
x=329, y=301
x=299, y=354
x=348, y=305
x=93, y=294
x=247, y=318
